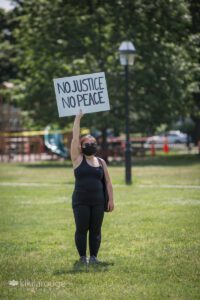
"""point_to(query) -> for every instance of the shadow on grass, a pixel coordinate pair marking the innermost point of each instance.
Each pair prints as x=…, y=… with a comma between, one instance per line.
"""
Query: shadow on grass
x=161, y=160
x=78, y=267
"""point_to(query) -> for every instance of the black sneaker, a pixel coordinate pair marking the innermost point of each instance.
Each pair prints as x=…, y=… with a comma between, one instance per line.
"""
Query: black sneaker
x=83, y=260
x=93, y=260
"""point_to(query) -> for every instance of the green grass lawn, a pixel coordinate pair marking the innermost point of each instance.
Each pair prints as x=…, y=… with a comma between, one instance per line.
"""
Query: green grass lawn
x=150, y=242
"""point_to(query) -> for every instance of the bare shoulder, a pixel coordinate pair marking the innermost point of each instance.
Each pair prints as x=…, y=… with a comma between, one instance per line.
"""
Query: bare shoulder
x=76, y=162
x=103, y=161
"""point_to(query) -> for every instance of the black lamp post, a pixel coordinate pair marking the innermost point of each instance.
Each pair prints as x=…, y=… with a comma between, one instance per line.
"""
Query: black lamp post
x=127, y=53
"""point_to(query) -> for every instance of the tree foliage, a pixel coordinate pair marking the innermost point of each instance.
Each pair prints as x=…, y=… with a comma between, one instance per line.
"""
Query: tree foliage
x=62, y=38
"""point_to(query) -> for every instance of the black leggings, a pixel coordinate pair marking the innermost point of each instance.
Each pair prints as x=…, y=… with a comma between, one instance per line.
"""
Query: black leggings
x=88, y=218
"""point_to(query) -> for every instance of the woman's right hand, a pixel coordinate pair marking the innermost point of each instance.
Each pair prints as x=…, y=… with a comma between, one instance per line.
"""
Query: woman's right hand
x=80, y=114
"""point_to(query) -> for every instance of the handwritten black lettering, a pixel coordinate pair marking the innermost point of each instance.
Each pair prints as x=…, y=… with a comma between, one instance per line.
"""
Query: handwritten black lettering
x=91, y=98
x=100, y=83
x=85, y=84
x=79, y=98
x=101, y=97
x=65, y=102
x=65, y=88
x=85, y=100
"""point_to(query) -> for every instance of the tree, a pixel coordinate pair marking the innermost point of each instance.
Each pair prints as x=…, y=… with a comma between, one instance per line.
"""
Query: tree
x=8, y=51
x=194, y=6
x=60, y=38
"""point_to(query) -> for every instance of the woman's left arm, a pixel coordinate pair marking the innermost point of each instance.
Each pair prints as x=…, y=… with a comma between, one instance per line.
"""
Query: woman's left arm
x=109, y=187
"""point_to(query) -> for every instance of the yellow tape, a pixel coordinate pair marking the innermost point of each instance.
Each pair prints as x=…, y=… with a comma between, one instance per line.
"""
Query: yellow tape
x=39, y=132
x=29, y=133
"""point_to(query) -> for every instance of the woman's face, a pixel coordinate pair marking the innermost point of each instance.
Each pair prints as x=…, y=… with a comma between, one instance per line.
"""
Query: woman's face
x=89, y=146
x=88, y=141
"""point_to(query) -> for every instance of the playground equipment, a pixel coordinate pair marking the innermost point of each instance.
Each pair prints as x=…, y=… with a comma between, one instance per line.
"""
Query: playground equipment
x=20, y=146
x=54, y=143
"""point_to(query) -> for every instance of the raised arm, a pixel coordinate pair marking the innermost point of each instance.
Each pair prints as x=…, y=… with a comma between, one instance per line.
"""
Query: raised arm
x=75, y=143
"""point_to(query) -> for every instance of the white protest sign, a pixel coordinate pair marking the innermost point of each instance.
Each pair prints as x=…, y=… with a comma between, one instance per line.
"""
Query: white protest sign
x=87, y=92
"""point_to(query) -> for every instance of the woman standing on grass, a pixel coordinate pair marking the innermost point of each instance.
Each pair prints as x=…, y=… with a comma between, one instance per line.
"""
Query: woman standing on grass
x=88, y=196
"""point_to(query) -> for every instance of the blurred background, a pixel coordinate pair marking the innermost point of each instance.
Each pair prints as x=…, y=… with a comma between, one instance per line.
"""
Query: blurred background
x=41, y=40
x=151, y=242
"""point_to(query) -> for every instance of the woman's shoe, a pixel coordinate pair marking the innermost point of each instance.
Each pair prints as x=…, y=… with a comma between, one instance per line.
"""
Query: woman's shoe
x=83, y=260
x=93, y=260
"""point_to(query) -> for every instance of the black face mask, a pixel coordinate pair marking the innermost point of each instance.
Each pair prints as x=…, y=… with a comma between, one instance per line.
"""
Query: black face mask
x=89, y=149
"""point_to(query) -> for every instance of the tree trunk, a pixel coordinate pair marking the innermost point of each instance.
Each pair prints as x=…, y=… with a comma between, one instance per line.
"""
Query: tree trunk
x=196, y=131
x=104, y=145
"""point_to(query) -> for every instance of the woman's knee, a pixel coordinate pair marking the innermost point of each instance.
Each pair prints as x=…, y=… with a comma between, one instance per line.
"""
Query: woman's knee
x=95, y=231
x=81, y=231
x=95, y=236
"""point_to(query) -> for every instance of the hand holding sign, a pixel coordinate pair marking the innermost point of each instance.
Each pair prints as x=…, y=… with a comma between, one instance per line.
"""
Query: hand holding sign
x=88, y=92
x=80, y=114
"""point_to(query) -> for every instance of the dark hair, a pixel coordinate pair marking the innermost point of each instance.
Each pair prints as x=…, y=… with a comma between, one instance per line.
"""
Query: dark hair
x=86, y=136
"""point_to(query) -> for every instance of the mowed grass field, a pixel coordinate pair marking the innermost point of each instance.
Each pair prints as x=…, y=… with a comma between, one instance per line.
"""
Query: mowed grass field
x=150, y=242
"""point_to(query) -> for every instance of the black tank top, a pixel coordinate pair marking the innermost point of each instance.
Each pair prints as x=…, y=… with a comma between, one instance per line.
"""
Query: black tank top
x=88, y=184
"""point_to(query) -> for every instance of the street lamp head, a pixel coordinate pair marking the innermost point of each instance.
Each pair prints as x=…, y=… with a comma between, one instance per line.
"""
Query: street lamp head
x=127, y=53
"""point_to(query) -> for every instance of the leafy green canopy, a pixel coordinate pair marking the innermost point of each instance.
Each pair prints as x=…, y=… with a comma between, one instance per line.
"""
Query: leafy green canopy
x=63, y=38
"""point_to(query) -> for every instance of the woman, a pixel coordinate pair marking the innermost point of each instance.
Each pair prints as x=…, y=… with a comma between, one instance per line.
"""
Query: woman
x=88, y=196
